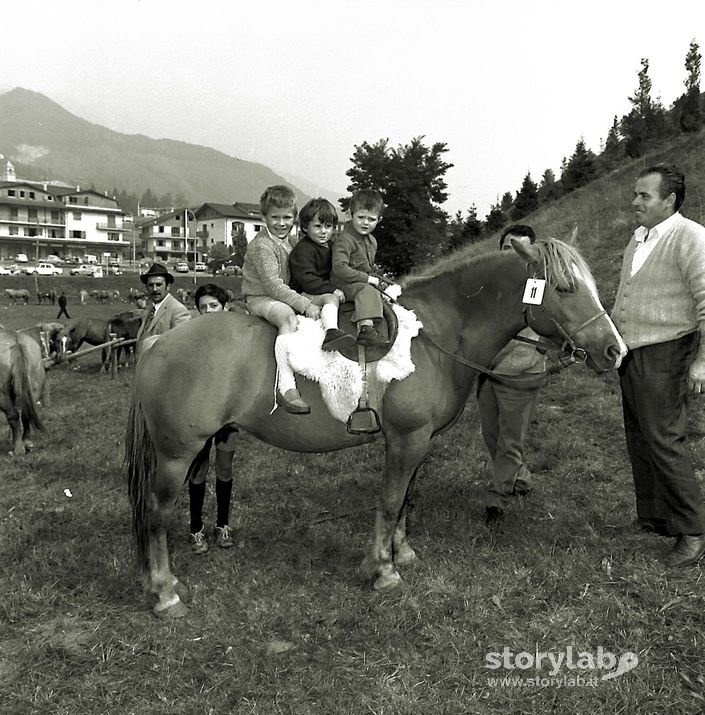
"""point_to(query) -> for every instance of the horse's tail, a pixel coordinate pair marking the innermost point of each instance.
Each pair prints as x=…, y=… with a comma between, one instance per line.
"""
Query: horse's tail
x=140, y=462
x=21, y=391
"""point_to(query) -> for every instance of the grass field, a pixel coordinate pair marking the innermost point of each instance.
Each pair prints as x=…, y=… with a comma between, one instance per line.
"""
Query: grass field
x=284, y=623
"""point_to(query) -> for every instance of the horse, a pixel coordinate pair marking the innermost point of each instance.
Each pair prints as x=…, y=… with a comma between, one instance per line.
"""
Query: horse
x=134, y=295
x=56, y=338
x=48, y=297
x=102, y=296
x=470, y=308
x=126, y=325
x=93, y=331
x=22, y=382
x=17, y=294
x=83, y=293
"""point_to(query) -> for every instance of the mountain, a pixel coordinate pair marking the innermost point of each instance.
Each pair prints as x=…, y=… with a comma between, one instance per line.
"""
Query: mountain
x=44, y=141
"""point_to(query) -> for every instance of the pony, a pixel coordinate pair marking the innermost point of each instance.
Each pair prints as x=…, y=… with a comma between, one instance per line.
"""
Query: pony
x=56, y=339
x=469, y=309
x=93, y=331
x=102, y=296
x=22, y=384
x=17, y=294
x=126, y=325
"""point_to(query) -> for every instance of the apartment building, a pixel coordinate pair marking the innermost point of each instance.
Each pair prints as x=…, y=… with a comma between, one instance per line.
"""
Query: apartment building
x=39, y=219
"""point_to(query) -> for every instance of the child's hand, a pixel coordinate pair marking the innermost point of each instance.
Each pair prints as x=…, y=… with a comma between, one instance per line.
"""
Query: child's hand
x=313, y=311
x=339, y=295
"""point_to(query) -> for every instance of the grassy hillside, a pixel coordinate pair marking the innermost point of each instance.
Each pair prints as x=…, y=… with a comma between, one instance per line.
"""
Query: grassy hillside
x=603, y=211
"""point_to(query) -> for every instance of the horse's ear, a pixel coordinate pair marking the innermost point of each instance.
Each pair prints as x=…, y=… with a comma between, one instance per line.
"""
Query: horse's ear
x=523, y=246
x=573, y=238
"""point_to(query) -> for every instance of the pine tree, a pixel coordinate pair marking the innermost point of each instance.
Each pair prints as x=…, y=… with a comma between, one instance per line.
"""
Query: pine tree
x=495, y=219
x=580, y=169
x=688, y=107
x=549, y=189
x=527, y=199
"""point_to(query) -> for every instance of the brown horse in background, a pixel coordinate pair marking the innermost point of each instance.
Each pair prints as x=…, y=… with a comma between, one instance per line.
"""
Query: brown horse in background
x=469, y=310
x=22, y=381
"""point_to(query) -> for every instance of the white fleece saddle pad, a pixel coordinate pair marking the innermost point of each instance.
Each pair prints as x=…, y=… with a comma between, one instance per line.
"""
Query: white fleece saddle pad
x=340, y=379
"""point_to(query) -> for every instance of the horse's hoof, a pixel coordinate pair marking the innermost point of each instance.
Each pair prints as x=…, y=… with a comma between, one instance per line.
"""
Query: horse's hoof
x=175, y=610
x=405, y=556
x=182, y=591
x=388, y=582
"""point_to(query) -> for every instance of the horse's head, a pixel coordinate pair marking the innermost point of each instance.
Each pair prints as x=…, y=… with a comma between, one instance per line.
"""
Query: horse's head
x=569, y=312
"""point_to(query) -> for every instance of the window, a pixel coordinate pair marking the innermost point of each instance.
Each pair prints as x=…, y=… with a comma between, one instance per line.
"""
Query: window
x=11, y=192
x=161, y=229
x=161, y=242
x=32, y=214
x=113, y=237
x=175, y=231
x=33, y=232
x=21, y=194
x=56, y=216
x=14, y=231
x=14, y=214
x=31, y=194
x=77, y=234
x=76, y=215
x=73, y=200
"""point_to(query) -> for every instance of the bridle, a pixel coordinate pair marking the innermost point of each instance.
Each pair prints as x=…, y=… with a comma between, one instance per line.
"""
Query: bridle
x=571, y=351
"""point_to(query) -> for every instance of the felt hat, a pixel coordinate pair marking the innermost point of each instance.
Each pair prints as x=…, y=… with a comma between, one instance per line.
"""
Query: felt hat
x=157, y=269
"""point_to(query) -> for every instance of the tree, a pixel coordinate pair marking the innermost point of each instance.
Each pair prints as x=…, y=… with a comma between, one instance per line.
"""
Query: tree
x=580, y=169
x=411, y=179
x=549, y=189
x=688, y=107
x=218, y=254
x=463, y=231
x=647, y=120
x=613, y=151
x=495, y=219
x=527, y=199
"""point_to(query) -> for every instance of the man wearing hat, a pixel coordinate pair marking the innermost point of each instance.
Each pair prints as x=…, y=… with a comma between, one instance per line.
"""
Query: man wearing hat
x=165, y=311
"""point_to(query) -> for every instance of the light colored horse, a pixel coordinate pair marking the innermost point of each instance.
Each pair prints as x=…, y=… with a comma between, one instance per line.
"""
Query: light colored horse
x=22, y=380
x=469, y=310
x=17, y=294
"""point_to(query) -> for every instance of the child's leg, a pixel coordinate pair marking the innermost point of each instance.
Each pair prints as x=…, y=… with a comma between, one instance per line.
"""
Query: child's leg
x=329, y=311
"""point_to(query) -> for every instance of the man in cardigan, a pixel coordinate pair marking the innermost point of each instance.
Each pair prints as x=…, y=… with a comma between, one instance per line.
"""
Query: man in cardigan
x=165, y=312
x=660, y=312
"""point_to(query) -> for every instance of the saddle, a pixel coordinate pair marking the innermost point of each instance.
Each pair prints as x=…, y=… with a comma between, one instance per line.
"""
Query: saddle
x=388, y=328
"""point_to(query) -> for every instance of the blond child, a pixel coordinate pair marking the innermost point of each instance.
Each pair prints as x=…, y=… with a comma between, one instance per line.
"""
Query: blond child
x=310, y=264
x=266, y=290
x=354, y=254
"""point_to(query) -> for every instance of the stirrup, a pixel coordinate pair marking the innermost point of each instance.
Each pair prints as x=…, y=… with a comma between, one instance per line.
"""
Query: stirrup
x=364, y=420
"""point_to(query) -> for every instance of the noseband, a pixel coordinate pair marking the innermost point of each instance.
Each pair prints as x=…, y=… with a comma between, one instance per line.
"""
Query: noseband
x=575, y=353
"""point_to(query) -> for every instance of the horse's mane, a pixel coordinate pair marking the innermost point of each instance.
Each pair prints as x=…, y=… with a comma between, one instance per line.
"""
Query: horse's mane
x=557, y=258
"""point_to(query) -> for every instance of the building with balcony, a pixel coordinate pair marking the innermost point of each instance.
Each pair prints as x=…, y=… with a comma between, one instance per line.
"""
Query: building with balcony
x=39, y=219
x=171, y=237
x=222, y=223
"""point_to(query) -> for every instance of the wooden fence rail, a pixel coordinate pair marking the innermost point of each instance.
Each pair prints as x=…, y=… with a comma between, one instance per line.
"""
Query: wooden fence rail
x=111, y=346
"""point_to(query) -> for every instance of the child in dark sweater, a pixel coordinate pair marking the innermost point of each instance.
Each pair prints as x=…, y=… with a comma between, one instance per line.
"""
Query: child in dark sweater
x=310, y=266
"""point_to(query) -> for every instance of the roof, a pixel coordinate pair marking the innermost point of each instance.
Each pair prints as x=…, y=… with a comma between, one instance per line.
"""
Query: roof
x=235, y=210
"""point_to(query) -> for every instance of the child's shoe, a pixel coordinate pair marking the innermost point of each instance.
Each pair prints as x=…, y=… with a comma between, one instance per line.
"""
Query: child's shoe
x=291, y=401
x=336, y=340
x=199, y=542
x=224, y=537
x=370, y=337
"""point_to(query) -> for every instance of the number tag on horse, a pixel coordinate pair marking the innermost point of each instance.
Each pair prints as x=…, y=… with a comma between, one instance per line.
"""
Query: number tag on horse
x=533, y=291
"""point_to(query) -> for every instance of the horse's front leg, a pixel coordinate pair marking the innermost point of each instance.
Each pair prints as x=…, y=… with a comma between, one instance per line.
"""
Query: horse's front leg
x=404, y=554
x=403, y=456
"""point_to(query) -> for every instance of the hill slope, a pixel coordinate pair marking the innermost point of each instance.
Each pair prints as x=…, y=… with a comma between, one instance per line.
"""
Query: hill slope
x=44, y=141
x=603, y=212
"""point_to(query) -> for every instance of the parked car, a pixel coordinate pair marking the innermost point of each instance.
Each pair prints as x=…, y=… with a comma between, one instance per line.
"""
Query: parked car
x=21, y=258
x=53, y=258
x=5, y=271
x=201, y=267
x=85, y=269
x=182, y=267
x=44, y=269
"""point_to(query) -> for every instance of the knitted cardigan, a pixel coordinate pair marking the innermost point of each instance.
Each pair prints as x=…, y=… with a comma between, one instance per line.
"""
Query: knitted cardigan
x=665, y=299
x=265, y=271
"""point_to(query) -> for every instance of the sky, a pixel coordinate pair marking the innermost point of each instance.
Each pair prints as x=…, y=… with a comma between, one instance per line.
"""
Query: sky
x=509, y=86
